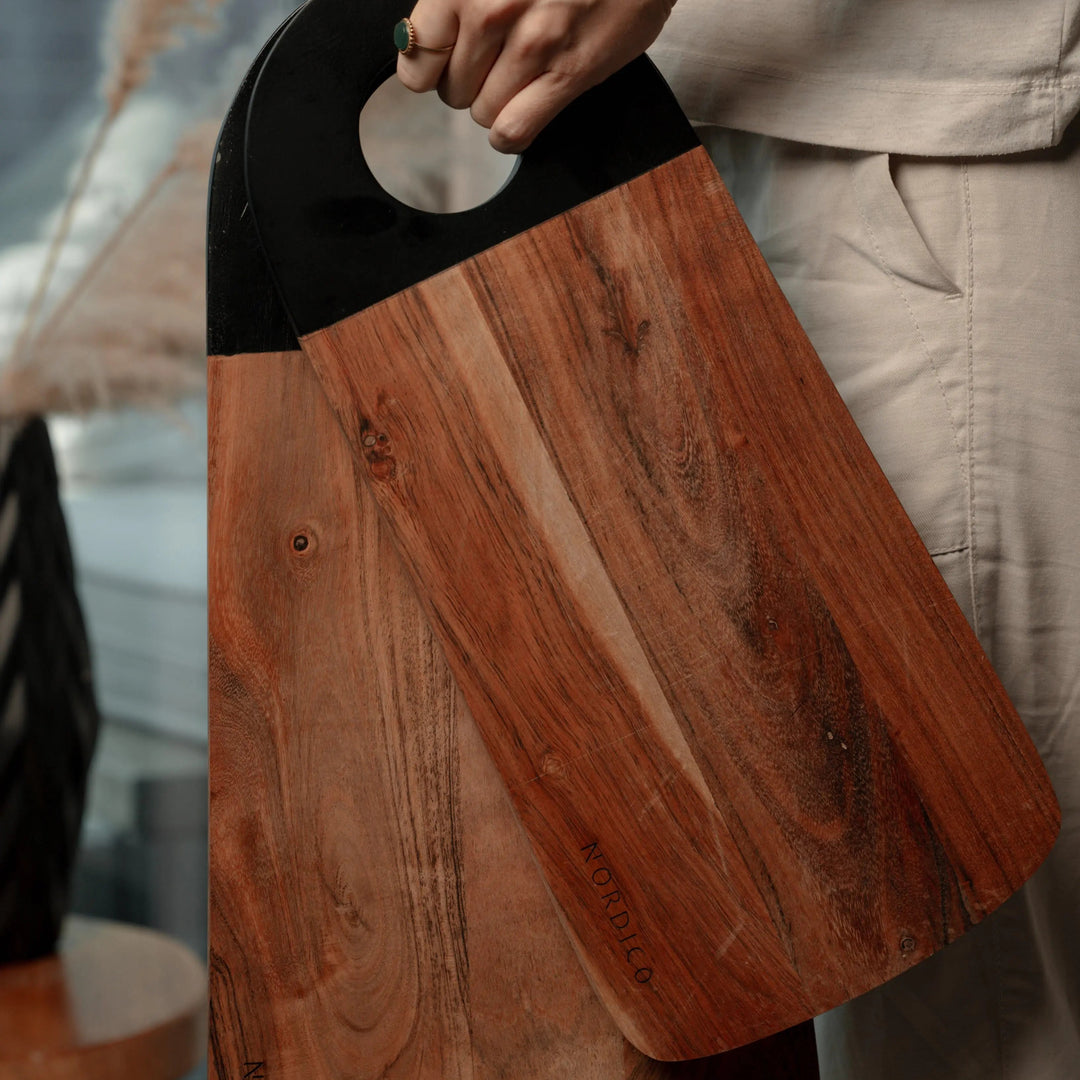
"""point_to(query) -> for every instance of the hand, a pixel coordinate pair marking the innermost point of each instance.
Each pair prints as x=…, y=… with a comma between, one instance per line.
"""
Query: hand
x=516, y=63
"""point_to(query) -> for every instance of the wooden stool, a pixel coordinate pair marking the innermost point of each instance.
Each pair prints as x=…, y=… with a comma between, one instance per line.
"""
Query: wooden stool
x=114, y=1002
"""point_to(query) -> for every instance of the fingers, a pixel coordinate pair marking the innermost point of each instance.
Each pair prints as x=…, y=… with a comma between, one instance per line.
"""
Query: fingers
x=500, y=46
x=557, y=58
x=527, y=52
x=474, y=55
x=529, y=111
x=435, y=24
x=516, y=63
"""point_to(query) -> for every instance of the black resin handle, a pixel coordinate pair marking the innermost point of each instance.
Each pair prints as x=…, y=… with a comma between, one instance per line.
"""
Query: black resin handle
x=337, y=241
x=243, y=311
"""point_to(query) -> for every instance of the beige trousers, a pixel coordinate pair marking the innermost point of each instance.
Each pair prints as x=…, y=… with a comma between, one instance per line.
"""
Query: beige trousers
x=944, y=298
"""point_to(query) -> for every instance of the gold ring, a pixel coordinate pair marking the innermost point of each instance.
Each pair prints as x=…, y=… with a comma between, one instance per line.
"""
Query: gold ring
x=405, y=40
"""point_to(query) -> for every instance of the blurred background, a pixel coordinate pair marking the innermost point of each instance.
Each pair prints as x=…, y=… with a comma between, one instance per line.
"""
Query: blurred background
x=108, y=114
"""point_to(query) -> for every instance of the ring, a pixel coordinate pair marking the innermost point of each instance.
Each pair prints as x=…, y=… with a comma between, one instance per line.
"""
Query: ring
x=406, y=43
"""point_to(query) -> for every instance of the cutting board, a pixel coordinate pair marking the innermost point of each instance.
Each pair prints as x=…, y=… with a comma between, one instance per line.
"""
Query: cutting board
x=374, y=907
x=761, y=759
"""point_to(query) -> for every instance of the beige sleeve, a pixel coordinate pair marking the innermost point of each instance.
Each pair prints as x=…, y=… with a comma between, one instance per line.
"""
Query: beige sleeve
x=930, y=77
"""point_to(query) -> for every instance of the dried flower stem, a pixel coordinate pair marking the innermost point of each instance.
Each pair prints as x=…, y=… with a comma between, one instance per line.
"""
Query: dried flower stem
x=190, y=154
x=140, y=30
x=57, y=315
x=20, y=349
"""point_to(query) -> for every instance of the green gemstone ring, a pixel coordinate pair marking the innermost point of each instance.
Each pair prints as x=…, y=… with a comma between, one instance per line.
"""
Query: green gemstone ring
x=405, y=40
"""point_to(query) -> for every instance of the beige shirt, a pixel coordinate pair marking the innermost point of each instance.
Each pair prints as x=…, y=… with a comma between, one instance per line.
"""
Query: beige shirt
x=925, y=77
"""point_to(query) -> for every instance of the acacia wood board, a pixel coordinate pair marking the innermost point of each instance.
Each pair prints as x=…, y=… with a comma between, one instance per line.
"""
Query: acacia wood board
x=375, y=910
x=374, y=907
x=762, y=761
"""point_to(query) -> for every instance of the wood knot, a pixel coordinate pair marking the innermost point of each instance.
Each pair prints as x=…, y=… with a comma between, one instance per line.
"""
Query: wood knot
x=552, y=765
x=630, y=337
x=378, y=453
x=301, y=556
x=303, y=542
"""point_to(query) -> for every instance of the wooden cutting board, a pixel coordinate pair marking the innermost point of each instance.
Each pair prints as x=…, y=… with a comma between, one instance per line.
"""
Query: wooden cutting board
x=374, y=907
x=761, y=759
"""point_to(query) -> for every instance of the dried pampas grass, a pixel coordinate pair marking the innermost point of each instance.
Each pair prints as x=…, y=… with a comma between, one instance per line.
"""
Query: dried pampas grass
x=131, y=330
x=139, y=31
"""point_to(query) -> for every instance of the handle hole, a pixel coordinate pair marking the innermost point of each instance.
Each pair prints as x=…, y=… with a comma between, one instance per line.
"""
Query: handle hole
x=427, y=155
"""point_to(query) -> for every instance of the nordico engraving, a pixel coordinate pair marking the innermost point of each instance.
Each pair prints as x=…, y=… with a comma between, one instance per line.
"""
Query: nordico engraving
x=616, y=910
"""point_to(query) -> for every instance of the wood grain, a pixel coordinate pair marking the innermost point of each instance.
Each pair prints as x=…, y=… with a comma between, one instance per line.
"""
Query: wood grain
x=114, y=1001
x=763, y=763
x=375, y=908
